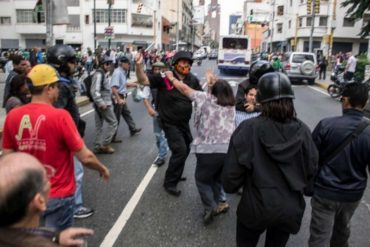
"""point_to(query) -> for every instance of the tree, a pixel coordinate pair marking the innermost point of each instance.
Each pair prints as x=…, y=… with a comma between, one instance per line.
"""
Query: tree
x=356, y=11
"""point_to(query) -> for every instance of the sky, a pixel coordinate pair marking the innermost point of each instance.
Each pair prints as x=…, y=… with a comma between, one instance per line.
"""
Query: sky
x=228, y=7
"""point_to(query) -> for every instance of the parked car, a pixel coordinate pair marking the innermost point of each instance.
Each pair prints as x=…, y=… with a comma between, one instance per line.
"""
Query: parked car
x=299, y=66
x=213, y=54
x=200, y=54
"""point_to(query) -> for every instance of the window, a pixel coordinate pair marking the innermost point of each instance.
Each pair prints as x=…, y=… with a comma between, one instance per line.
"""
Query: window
x=348, y=22
x=73, y=2
x=140, y=20
x=234, y=43
x=309, y=21
x=300, y=20
x=117, y=16
x=87, y=19
x=289, y=24
x=300, y=58
x=5, y=20
x=28, y=16
x=279, y=27
x=323, y=21
x=74, y=23
x=280, y=10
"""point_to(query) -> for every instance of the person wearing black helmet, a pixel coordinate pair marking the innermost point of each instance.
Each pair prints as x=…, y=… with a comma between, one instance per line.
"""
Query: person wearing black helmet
x=274, y=158
x=174, y=111
x=257, y=69
x=63, y=59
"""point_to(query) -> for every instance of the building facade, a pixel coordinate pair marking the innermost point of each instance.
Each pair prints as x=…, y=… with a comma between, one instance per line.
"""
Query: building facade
x=290, y=28
x=20, y=29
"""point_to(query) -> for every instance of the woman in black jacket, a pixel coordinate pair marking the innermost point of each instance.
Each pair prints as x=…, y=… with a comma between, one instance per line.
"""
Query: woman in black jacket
x=273, y=157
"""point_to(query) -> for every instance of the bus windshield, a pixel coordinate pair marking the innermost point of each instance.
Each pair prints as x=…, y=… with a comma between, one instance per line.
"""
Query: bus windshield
x=234, y=43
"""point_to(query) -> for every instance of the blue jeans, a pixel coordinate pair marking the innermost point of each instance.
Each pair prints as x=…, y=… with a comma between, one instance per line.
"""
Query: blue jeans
x=161, y=140
x=59, y=213
x=79, y=173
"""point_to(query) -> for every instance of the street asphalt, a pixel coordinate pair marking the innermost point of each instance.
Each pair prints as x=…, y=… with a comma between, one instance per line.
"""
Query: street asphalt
x=133, y=209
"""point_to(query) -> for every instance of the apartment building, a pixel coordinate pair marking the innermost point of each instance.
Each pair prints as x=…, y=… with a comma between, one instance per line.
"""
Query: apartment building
x=290, y=28
x=19, y=29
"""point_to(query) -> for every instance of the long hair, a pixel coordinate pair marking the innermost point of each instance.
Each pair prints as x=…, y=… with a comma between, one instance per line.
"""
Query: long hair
x=16, y=84
x=224, y=93
x=281, y=110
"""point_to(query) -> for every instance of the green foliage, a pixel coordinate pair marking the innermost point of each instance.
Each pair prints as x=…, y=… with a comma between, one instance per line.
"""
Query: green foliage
x=362, y=61
x=356, y=11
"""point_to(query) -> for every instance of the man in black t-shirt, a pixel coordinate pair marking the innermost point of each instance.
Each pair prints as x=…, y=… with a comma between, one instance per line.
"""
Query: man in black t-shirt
x=174, y=112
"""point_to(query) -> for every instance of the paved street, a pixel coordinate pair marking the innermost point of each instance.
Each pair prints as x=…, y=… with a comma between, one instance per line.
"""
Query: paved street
x=147, y=216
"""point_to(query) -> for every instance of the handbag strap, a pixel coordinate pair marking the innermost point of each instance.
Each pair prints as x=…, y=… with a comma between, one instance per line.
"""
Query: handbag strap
x=347, y=141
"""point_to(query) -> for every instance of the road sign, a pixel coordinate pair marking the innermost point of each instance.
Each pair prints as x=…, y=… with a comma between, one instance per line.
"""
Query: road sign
x=109, y=32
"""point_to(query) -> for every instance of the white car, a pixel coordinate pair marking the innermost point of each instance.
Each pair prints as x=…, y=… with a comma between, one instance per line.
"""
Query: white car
x=300, y=66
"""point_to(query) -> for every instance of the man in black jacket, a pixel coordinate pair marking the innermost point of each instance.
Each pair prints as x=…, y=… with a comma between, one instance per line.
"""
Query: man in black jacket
x=174, y=112
x=341, y=181
x=273, y=157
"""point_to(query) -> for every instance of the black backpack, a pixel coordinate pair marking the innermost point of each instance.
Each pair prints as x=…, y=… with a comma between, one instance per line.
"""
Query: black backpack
x=88, y=82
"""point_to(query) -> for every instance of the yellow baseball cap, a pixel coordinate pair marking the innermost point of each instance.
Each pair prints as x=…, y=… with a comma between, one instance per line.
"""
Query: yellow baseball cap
x=43, y=74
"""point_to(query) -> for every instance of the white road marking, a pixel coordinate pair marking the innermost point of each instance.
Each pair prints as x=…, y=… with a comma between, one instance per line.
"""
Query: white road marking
x=319, y=90
x=118, y=226
x=86, y=113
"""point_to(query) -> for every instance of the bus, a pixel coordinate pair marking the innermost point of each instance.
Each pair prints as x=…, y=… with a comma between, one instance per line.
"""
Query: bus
x=234, y=53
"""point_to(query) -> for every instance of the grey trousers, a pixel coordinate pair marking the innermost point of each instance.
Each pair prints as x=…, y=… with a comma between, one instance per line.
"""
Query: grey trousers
x=330, y=222
x=108, y=116
x=126, y=114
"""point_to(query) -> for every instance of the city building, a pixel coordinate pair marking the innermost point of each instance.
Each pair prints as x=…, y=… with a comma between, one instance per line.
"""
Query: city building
x=135, y=23
x=290, y=28
x=212, y=23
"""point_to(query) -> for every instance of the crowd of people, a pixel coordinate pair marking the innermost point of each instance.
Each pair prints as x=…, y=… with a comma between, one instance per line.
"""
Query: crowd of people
x=252, y=143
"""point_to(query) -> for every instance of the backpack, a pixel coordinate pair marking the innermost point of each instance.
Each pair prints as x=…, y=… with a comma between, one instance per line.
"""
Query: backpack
x=88, y=82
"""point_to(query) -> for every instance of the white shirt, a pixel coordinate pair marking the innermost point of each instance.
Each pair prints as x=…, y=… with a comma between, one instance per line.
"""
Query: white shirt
x=351, y=64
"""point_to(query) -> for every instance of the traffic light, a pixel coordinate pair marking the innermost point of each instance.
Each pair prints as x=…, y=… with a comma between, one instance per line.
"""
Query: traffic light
x=309, y=7
x=317, y=7
x=139, y=7
x=251, y=12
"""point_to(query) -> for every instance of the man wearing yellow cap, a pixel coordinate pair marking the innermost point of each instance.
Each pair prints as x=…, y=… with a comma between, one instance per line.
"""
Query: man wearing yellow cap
x=50, y=135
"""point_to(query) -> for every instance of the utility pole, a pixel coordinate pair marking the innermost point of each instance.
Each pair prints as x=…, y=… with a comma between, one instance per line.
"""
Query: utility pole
x=94, y=16
x=312, y=26
x=109, y=19
x=49, y=23
x=330, y=48
x=272, y=24
x=177, y=25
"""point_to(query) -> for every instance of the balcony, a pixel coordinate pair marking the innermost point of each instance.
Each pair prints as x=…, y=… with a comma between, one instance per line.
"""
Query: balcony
x=30, y=28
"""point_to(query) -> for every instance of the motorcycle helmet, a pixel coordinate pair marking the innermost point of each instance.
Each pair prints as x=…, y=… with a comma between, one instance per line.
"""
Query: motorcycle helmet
x=274, y=86
x=59, y=55
x=182, y=55
x=258, y=69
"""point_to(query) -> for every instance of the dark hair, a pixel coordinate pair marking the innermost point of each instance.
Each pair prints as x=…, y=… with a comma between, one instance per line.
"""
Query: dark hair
x=224, y=93
x=14, y=204
x=249, y=87
x=17, y=59
x=281, y=110
x=15, y=85
x=357, y=94
x=37, y=90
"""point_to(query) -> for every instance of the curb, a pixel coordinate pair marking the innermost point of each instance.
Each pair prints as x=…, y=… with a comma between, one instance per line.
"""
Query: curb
x=322, y=85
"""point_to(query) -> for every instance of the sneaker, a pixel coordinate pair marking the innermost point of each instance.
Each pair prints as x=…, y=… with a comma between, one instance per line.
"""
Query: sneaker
x=83, y=213
x=159, y=162
x=135, y=131
x=105, y=150
x=222, y=208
